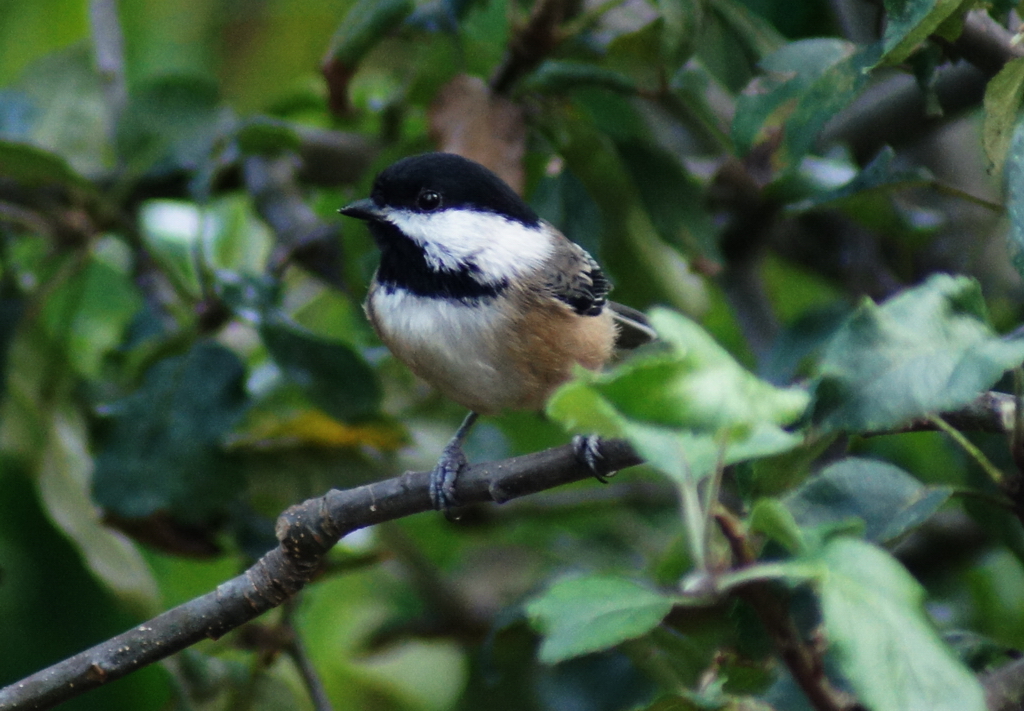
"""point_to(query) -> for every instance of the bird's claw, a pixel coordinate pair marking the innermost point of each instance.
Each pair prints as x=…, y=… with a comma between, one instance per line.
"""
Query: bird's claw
x=588, y=453
x=442, y=479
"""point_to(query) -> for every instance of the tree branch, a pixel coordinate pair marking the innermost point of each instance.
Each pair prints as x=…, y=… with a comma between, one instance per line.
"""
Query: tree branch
x=108, y=53
x=302, y=237
x=986, y=44
x=989, y=412
x=895, y=111
x=306, y=532
x=802, y=659
x=532, y=43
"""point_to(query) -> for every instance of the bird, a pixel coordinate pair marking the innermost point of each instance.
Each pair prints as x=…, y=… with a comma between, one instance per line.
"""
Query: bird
x=482, y=299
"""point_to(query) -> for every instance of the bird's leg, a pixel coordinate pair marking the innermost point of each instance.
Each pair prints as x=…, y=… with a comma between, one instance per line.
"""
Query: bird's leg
x=452, y=461
x=588, y=453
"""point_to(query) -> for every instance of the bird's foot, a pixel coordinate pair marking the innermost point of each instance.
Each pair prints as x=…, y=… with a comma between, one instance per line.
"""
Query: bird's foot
x=443, y=476
x=588, y=453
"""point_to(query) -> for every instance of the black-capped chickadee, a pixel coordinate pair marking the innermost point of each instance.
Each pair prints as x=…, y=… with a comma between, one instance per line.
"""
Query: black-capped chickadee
x=480, y=297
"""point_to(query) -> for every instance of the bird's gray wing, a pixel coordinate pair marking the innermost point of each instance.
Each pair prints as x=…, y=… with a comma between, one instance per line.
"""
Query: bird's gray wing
x=575, y=278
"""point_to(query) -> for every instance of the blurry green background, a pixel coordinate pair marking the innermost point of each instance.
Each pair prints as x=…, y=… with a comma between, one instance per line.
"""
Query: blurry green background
x=178, y=367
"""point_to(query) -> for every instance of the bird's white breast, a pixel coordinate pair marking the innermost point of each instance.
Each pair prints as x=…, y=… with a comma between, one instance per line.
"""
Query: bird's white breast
x=452, y=345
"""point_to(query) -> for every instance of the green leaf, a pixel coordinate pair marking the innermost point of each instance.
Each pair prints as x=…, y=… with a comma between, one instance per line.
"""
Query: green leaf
x=808, y=81
x=615, y=115
x=684, y=407
x=590, y=154
x=673, y=199
x=879, y=175
x=161, y=448
x=909, y=23
x=886, y=498
x=172, y=231
x=689, y=456
x=234, y=238
x=926, y=350
x=993, y=584
x=800, y=341
x=90, y=312
x=682, y=24
x=583, y=615
x=43, y=427
x=709, y=700
x=35, y=167
x=824, y=98
x=580, y=408
x=70, y=116
x=789, y=72
x=759, y=38
x=1004, y=96
x=868, y=197
x=563, y=201
x=171, y=123
x=978, y=652
x=674, y=703
x=64, y=475
x=771, y=476
x=364, y=25
x=250, y=296
x=334, y=377
x=266, y=136
x=701, y=386
x=773, y=519
x=559, y=76
x=638, y=53
x=884, y=644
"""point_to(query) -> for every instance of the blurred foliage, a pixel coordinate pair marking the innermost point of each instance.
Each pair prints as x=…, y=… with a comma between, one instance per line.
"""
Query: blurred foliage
x=183, y=354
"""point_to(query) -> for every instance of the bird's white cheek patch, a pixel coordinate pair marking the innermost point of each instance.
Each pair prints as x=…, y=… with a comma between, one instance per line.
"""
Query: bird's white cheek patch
x=452, y=239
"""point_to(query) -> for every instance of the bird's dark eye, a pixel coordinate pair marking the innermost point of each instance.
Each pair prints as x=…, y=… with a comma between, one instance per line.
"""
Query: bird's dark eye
x=428, y=200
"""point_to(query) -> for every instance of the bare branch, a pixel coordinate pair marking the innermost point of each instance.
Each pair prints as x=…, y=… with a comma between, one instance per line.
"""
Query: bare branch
x=896, y=110
x=307, y=532
x=108, y=51
x=990, y=412
x=986, y=44
x=302, y=236
x=532, y=43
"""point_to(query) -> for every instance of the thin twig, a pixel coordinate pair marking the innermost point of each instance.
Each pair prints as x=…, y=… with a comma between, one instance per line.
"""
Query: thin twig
x=296, y=650
x=804, y=664
x=108, y=50
x=994, y=473
x=301, y=235
x=443, y=600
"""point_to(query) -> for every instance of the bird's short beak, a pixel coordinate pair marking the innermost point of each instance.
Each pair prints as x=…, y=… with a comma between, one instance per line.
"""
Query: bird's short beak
x=365, y=209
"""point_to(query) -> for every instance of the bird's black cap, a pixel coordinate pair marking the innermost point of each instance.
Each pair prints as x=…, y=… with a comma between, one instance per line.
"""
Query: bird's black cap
x=460, y=183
